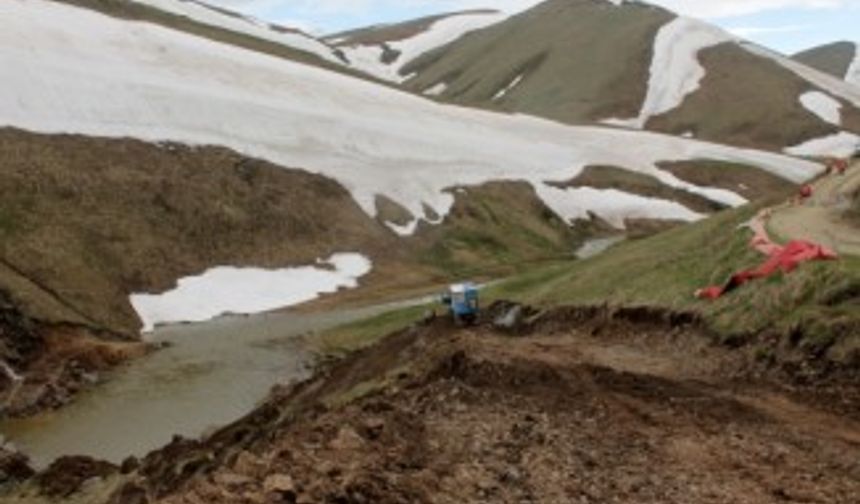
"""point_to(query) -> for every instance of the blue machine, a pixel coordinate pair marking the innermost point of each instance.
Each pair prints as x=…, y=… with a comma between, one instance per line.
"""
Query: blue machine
x=462, y=301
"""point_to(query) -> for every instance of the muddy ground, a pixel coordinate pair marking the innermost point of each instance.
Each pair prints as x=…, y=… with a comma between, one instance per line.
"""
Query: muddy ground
x=578, y=406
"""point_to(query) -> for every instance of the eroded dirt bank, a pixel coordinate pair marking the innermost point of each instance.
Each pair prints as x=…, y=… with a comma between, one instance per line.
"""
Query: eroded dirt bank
x=43, y=365
x=578, y=406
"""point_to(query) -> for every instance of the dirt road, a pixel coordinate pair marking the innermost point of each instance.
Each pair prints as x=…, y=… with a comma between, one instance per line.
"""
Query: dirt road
x=820, y=220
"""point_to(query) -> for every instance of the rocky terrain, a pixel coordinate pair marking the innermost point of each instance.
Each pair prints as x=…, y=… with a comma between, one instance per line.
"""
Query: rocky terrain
x=583, y=405
x=145, y=144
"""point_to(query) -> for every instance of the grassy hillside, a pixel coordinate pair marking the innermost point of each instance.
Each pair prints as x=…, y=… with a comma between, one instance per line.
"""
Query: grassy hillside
x=84, y=222
x=498, y=225
x=92, y=220
x=747, y=181
x=745, y=100
x=582, y=60
x=832, y=58
x=816, y=306
x=813, y=312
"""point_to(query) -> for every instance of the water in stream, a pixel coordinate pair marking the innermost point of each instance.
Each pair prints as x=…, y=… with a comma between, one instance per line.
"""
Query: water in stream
x=211, y=374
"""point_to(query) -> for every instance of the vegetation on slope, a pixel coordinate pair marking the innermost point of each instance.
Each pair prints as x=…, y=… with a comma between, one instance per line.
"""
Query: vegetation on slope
x=811, y=312
x=581, y=60
x=815, y=307
x=498, y=226
x=93, y=220
x=536, y=63
x=749, y=101
x=86, y=222
x=832, y=58
x=747, y=181
x=611, y=177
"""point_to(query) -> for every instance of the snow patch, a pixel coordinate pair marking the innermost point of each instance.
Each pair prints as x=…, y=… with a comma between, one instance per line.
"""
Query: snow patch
x=226, y=289
x=612, y=205
x=822, y=105
x=404, y=230
x=507, y=89
x=368, y=58
x=842, y=144
x=70, y=70
x=675, y=69
x=204, y=14
x=436, y=90
x=852, y=76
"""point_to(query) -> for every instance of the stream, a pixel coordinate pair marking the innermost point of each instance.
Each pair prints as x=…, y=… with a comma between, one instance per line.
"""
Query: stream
x=211, y=374
x=208, y=375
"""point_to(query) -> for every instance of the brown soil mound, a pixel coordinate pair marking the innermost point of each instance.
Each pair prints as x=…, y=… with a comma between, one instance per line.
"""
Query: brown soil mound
x=582, y=405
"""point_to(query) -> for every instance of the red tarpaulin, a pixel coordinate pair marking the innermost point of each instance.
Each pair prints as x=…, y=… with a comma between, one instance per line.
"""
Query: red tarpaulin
x=783, y=259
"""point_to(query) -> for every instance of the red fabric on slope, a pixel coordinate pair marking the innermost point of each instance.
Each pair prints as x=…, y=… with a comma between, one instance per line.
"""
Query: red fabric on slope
x=785, y=259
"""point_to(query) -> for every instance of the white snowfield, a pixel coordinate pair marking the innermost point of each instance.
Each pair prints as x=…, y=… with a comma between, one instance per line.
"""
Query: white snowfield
x=852, y=76
x=675, y=69
x=202, y=13
x=822, y=105
x=436, y=90
x=842, y=144
x=70, y=70
x=368, y=58
x=245, y=291
x=510, y=87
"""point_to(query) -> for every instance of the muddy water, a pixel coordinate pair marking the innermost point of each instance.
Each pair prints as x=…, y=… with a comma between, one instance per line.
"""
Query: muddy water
x=211, y=374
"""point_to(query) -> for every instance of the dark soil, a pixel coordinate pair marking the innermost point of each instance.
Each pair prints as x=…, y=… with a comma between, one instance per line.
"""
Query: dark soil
x=580, y=405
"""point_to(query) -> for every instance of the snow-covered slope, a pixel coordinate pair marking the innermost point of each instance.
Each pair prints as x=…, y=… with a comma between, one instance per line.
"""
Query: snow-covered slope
x=201, y=12
x=676, y=71
x=66, y=69
x=675, y=68
x=383, y=51
x=692, y=83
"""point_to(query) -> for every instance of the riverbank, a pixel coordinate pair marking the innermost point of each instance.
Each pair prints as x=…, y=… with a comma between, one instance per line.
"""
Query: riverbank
x=574, y=404
x=205, y=375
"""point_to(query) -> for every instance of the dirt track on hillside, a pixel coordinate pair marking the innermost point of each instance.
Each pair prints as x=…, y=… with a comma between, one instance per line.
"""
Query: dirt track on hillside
x=822, y=218
x=583, y=406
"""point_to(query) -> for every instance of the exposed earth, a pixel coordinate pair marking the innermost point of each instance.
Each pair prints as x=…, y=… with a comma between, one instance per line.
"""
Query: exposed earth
x=572, y=405
x=146, y=143
x=569, y=404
